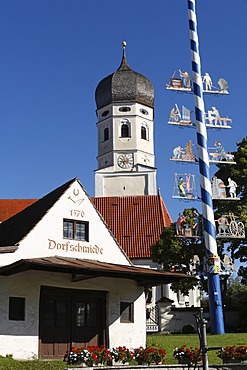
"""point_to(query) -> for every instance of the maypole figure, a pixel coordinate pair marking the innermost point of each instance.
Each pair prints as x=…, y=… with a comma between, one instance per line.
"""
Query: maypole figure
x=220, y=150
x=179, y=224
x=183, y=83
x=214, y=115
x=207, y=81
x=215, y=300
x=229, y=226
x=177, y=152
x=184, y=154
x=174, y=114
x=181, y=190
x=219, y=154
x=218, y=188
x=185, y=79
x=197, y=227
x=233, y=188
x=180, y=117
x=185, y=187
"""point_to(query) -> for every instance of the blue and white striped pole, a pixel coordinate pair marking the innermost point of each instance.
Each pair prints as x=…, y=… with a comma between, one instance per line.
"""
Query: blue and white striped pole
x=215, y=301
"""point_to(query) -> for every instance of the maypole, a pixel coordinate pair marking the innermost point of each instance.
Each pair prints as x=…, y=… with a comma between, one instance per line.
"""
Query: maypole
x=213, y=263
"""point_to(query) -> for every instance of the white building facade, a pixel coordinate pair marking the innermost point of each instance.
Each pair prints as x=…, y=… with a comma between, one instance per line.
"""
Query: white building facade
x=60, y=277
x=126, y=161
x=126, y=157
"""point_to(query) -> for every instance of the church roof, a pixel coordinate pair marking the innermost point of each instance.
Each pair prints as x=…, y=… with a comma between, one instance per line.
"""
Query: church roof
x=136, y=221
x=124, y=86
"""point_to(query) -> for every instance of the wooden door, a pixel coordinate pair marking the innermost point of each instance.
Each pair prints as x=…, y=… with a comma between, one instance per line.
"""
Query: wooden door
x=86, y=327
x=55, y=325
x=70, y=318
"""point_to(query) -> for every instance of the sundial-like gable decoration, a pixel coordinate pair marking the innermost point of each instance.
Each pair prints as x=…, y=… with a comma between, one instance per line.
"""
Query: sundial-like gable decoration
x=65, y=221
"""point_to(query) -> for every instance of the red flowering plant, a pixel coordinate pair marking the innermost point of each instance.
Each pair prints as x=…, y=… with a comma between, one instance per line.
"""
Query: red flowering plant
x=76, y=355
x=233, y=353
x=149, y=355
x=88, y=355
x=187, y=355
x=100, y=355
x=122, y=354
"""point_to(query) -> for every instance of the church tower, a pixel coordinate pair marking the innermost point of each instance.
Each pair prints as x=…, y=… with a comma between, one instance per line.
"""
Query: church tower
x=125, y=111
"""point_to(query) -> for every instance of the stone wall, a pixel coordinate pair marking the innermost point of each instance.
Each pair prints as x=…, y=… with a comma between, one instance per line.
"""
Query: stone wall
x=173, y=319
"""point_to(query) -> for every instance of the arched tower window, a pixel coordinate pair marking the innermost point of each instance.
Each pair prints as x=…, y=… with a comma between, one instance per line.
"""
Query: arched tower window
x=125, y=130
x=106, y=133
x=143, y=133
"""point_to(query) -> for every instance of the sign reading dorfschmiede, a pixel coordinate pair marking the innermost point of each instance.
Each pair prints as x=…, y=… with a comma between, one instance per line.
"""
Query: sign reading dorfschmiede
x=74, y=247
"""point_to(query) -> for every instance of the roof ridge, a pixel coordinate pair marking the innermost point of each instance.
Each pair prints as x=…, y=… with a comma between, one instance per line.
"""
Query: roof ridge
x=163, y=208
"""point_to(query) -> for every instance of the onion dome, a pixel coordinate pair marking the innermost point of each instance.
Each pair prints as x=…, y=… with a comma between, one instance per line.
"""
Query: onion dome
x=124, y=86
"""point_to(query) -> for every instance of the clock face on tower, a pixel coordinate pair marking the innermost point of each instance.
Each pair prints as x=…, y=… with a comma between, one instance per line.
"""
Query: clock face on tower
x=125, y=160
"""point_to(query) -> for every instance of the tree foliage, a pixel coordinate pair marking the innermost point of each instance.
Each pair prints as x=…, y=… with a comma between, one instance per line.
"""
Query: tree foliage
x=177, y=255
x=236, y=298
x=236, y=247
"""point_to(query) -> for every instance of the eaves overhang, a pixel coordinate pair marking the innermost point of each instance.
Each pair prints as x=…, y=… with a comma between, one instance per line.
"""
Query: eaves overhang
x=87, y=269
x=9, y=249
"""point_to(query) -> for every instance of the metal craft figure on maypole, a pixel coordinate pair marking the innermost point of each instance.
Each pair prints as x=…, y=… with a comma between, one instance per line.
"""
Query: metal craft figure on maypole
x=213, y=261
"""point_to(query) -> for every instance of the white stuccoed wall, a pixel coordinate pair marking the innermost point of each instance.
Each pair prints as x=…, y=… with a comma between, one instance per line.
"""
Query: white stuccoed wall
x=20, y=338
x=46, y=238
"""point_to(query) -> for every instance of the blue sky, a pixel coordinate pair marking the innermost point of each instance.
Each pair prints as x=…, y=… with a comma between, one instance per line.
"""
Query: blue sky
x=54, y=53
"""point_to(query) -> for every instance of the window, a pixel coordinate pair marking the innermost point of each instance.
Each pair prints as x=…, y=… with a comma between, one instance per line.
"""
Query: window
x=126, y=312
x=16, y=308
x=124, y=109
x=56, y=313
x=144, y=111
x=143, y=133
x=106, y=134
x=86, y=314
x=77, y=230
x=105, y=113
x=125, y=130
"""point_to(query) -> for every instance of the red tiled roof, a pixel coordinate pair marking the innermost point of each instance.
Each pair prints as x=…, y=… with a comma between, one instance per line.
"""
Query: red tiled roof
x=19, y=225
x=10, y=207
x=136, y=221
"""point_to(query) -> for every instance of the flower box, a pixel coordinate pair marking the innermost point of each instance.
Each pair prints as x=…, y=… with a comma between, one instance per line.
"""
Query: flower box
x=149, y=355
x=101, y=356
x=233, y=354
x=186, y=355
